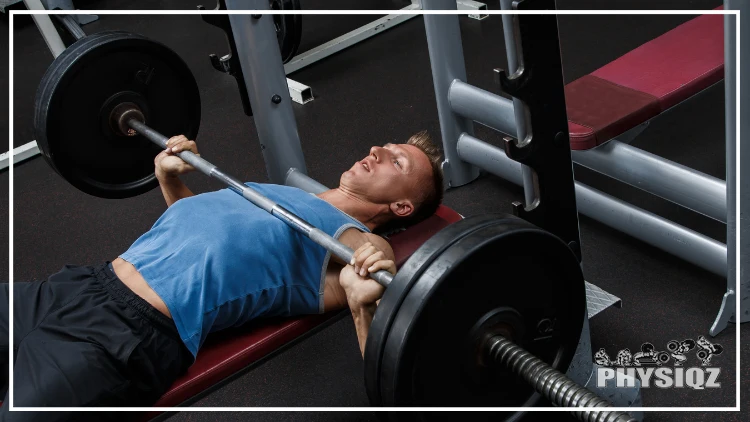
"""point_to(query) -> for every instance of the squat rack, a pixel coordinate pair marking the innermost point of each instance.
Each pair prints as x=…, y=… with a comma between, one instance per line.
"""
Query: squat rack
x=460, y=103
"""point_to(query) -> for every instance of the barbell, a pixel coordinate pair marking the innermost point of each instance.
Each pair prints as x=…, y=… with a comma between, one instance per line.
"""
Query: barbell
x=485, y=313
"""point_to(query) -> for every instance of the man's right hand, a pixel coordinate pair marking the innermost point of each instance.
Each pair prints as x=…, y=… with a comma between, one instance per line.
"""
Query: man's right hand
x=167, y=164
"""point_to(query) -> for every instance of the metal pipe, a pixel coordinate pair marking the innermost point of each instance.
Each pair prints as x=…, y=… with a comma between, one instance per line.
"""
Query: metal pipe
x=71, y=25
x=318, y=236
x=674, y=182
x=46, y=27
x=350, y=38
x=488, y=157
x=447, y=63
x=260, y=59
x=666, y=235
x=300, y=180
x=482, y=106
x=678, y=240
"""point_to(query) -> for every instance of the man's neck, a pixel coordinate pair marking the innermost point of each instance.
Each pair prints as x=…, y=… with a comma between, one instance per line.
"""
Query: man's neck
x=368, y=213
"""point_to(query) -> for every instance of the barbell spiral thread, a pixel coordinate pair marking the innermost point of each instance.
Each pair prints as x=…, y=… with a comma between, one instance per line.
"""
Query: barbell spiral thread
x=551, y=383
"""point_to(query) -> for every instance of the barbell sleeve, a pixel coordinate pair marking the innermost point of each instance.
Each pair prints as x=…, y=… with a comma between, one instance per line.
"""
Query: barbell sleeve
x=318, y=236
x=551, y=383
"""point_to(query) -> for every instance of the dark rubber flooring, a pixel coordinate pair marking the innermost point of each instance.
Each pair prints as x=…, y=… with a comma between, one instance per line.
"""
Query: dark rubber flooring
x=376, y=92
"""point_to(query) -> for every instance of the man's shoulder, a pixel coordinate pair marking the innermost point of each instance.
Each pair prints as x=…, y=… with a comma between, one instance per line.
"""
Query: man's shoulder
x=354, y=238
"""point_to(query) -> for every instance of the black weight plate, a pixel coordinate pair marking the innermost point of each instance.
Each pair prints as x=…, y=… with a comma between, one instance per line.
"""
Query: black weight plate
x=83, y=84
x=428, y=360
x=400, y=286
x=288, y=28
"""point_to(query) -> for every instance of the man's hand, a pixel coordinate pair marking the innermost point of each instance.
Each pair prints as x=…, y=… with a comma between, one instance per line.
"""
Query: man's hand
x=362, y=291
x=168, y=164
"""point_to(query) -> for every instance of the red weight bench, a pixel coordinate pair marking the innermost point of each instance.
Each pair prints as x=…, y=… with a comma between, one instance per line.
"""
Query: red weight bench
x=645, y=82
x=228, y=352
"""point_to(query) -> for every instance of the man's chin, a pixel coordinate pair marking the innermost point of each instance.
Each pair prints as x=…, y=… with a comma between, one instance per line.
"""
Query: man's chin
x=349, y=173
x=346, y=176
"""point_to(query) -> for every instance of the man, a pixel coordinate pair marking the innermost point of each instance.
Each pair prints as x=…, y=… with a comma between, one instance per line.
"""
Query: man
x=120, y=333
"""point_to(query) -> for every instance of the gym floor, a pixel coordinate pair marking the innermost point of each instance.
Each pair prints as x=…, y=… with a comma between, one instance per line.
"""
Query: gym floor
x=376, y=92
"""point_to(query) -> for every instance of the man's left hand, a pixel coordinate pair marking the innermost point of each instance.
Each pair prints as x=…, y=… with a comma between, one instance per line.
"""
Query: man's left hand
x=362, y=291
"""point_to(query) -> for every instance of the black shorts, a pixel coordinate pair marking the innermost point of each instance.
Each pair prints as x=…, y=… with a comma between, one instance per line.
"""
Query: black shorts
x=83, y=338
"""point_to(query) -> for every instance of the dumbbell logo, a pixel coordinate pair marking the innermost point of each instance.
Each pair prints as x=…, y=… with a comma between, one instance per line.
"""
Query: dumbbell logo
x=624, y=358
x=679, y=350
x=602, y=358
x=707, y=350
x=650, y=356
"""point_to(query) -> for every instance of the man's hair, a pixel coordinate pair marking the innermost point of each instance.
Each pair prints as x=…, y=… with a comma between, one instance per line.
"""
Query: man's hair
x=431, y=194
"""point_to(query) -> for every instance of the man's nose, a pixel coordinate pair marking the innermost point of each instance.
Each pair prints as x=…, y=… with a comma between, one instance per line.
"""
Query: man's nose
x=376, y=152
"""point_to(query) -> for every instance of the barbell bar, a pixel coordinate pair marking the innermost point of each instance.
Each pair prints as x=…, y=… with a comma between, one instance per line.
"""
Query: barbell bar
x=130, y=115
x=551, y=383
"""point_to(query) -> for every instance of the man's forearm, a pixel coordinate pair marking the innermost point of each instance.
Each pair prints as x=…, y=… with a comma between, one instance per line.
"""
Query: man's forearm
x=173, y=189
x=362, y=319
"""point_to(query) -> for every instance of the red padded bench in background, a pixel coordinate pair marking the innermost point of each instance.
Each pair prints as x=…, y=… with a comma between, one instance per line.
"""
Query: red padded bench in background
x=228, y=352
x=645, y=82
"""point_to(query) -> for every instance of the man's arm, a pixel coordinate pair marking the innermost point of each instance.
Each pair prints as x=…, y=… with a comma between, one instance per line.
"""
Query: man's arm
x=362, y=292
x=362, y=316
x=168, y=167
x=173, y=189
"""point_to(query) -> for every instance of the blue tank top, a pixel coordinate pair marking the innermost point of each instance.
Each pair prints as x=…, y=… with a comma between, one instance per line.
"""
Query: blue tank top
x=218, y=261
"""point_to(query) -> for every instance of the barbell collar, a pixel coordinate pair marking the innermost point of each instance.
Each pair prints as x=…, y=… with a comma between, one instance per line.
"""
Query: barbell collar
x=551, y=383
x=122, y=114
x=338, y=249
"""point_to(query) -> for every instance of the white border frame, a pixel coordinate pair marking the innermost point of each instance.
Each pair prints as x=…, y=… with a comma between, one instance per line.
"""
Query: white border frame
x=738, y=384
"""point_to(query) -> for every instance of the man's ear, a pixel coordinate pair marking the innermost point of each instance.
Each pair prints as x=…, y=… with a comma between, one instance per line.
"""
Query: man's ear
x=402, y=208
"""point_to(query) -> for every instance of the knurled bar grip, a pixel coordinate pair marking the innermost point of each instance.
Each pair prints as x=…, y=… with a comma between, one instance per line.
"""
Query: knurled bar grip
x=551, y=383
x=318, y=236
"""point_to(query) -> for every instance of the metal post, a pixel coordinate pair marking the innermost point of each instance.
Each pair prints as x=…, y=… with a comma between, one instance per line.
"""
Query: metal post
x=515, y=60
x=447, y=62
x=267, y=88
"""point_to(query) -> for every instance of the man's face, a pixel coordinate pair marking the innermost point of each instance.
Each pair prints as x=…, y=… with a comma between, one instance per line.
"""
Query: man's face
x=393, y=174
